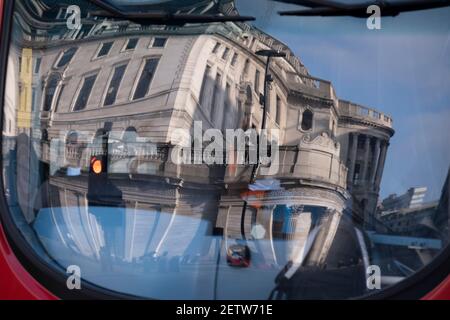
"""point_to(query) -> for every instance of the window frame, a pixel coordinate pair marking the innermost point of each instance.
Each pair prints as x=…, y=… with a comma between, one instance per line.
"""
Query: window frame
x=216, y=47
x=61, y=55
x=216, y=95
x=99, y=49
x=226, y=53
x=204, y=86
x=227, y=103
x=234, y=59
x=246, y=68
x=138, y=78
x=110, y=78
x=257, y=82
x=55, y=94
x=300, y=119
x=278, y=107
x=37, y=65
x=152, y=43
x=124, y=48
x=80, y=87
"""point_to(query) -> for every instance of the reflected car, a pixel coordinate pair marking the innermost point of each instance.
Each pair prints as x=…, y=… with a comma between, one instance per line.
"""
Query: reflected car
x=238, y=256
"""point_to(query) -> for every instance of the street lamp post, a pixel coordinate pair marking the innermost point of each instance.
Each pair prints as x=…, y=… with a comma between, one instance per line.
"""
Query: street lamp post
x=267, y=79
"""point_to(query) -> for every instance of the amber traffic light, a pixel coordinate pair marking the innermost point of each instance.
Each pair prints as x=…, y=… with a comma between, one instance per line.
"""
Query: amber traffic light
x=96, y=165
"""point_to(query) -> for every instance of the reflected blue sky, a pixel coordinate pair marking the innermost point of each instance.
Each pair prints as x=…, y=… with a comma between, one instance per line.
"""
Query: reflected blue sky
x=402, y=70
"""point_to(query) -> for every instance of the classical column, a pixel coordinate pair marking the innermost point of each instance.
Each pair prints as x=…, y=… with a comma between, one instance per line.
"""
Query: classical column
x=366, y=159
x=266, y=243
x=382, y=161
x=352, y=157
x=375, y=159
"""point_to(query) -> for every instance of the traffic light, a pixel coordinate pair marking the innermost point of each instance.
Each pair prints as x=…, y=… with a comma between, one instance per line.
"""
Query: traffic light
x=101, y=190
x=96, y=165
x=98, y=176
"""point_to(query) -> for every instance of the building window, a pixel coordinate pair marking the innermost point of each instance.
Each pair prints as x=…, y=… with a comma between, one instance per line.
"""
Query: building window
x=307, y=120
x=357, y=172
x=361, y=142
x=215, y=96
x=159, y=42
x=37, y=65
x=66, y=57
x=227, y=107
x=225, y=54
x=146, y=78
x=33, y=98
x=131, y=44
x=72, y=138
x=104, y=50
x=50, y=90
x=369, y=170
x=278, y=110
x=58, y=98
x=234, y=60
x=248, y=95
x=111, y=94
x=257, y=80
x=85, y=92
x=203, y=95
x=239, y=115
x=216, y=47
x=252, y=43
x=44, y=135
x=246, y=66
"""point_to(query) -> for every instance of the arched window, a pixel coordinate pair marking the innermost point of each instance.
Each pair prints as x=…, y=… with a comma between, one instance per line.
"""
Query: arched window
x=130, y=135
x=72, y=138
x=100, y=142
x=100, y=133
x=44, y=135
x=50, y=90
x=307, y=120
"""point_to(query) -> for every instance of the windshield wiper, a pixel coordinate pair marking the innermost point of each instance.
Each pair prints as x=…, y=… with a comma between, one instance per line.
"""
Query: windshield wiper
x=163, y=18
x=332, y=8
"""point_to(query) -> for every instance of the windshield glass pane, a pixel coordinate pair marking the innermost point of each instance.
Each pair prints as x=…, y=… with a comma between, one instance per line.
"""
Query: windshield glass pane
x=287, y=158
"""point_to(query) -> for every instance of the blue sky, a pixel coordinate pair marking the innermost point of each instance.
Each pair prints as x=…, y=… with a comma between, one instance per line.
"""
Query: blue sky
x=402, y=70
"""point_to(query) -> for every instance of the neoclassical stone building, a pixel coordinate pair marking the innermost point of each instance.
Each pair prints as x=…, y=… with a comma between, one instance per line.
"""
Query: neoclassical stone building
x=144, y=82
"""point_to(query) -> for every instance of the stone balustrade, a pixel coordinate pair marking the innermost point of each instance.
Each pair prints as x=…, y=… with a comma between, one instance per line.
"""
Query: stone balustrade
x=349, y=109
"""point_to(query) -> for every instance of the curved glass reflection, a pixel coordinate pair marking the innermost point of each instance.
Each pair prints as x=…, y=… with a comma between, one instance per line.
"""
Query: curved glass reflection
x=200, y=161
